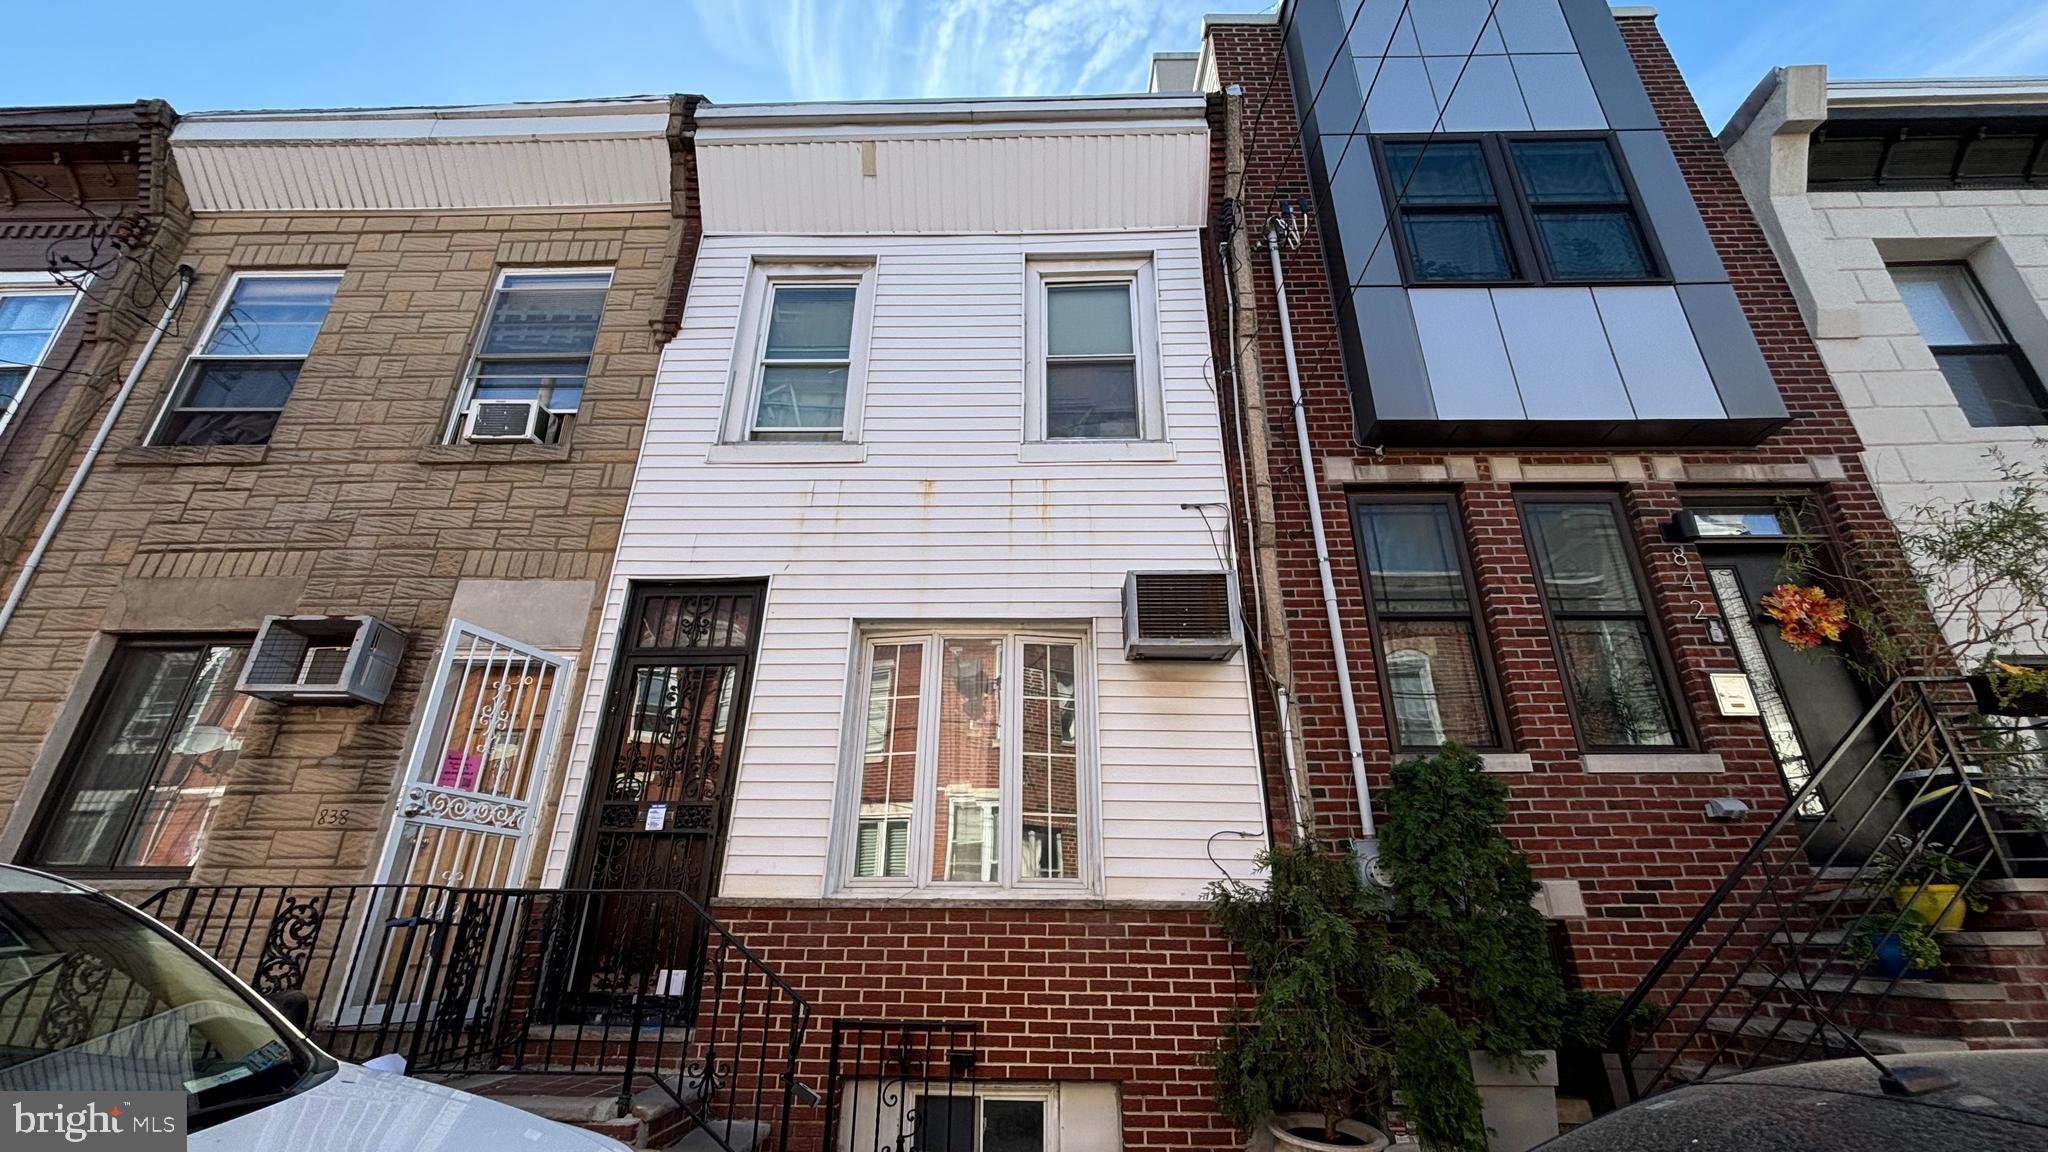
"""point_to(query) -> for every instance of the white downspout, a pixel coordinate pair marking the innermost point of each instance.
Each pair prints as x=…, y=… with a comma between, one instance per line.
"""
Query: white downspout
x=1370, y=846
x=92, y=451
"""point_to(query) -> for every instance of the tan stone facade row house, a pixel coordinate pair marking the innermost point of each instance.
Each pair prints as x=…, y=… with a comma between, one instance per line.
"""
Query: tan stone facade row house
x=329, y=575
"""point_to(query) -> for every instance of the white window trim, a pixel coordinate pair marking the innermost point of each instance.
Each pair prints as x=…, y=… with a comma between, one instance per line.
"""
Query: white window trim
x=1138, y=271
x=466, y=392
x=750, y=343
x=846, y=824
x=39, y=284
x=1045, y=1095
x=171, y=399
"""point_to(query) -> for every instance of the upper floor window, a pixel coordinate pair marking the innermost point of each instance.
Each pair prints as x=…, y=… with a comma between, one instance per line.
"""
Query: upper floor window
x=1511, y=210
x=536, y=344
x=29, y=321
x=972, y=764
x=1426, y=626
x=151, y=763
x=800, y=353
x=233, y=389
x=1988, y=373
x=1093, y=354
x=1614, y=669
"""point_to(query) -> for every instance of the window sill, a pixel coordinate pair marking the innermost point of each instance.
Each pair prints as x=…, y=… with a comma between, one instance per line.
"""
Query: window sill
x=1507, y=762
x=788, y=452
x=915, y=898
x=1648, y=762
x=178, y=455
x=493, y=453
x=1091, y=452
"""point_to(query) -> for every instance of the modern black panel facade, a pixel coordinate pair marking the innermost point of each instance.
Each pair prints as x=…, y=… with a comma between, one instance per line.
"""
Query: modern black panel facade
x=1516, y=256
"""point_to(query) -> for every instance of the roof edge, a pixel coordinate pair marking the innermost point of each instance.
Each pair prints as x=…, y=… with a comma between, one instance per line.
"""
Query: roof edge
x=851, y=113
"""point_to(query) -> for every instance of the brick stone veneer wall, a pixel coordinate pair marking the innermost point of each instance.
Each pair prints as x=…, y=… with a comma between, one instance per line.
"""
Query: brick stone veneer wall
x=1637, y=844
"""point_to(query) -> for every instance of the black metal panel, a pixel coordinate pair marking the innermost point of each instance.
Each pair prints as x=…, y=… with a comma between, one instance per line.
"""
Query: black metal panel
x=1689, y=251
x=1748, y=390
x=1609, y=65
x=1318, y=58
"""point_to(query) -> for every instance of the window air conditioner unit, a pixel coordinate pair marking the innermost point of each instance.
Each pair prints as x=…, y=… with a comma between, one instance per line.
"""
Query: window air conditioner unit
x=322, y=660
x=1180, y=616
x=503, y=422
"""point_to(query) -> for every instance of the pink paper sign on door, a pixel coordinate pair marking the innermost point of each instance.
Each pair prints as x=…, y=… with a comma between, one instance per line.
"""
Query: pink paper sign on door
x=460, y=770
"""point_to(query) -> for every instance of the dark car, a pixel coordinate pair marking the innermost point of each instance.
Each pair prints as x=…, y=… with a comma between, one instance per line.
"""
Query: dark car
x=1984, y=1101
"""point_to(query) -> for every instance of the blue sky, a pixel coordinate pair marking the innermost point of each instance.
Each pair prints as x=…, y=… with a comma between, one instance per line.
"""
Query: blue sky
x=245, y=54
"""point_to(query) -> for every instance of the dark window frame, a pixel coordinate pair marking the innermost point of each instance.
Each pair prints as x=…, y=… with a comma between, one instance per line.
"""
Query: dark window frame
x=1517, y=214
x=1687, y=739
x=1475, y=616
x=2009, y=348
x=32, y=846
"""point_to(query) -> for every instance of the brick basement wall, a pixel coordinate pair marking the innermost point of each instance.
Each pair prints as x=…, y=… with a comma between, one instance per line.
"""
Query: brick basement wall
x=1637, y=844
x=354, y=506
x=1131, y=996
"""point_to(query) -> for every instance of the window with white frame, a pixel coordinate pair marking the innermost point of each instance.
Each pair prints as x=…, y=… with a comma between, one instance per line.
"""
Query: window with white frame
x=972, y=765
x=993, y=1118
x=233, y=389
x=1094, y=353
x=799, y=368
x=31, y=314
x=536, y=344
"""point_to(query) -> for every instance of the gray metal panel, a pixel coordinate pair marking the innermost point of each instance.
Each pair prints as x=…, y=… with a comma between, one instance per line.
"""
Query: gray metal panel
x=1315, y=50
x=1534, y=26
x=1559, y=96
x=1661, y=366
x=1402, y=100
x=1482, y=94
x=1449, y=27
x=1608, y=64
x=1469, y=375
x=1396, y=373
x=1352, y=188
x=1559, y=350
x=1729, y=346
x=1674, y=215
x=1376, y=32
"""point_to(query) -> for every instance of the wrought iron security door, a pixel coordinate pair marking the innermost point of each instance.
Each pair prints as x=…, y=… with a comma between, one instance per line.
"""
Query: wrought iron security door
x=675, y=712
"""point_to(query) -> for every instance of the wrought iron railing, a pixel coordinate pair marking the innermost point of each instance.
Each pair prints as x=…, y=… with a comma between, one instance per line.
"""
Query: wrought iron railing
x=898, y=1085
x=643, y=986
x=1768, y=970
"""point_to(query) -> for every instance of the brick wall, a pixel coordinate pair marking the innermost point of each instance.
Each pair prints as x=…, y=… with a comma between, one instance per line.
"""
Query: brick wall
x=1637, y=844
x=353, y=507
x=1124, y=995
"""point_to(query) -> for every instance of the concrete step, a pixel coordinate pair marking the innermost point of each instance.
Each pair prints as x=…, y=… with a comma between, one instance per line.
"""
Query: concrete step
x=718, y=1136
x=654, y=1120
x=1875, y=986
x=1828, y=938
x=1823, y=1040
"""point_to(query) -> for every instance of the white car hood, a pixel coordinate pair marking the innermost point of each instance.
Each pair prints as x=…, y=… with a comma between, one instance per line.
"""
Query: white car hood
x=357, y=1110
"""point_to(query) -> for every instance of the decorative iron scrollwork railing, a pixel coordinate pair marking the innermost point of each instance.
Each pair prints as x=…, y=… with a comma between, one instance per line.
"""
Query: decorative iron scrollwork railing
x=902, y=1086
x=643, y=986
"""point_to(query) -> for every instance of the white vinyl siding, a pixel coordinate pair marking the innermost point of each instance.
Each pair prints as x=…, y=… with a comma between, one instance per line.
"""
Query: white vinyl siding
x=949, y=521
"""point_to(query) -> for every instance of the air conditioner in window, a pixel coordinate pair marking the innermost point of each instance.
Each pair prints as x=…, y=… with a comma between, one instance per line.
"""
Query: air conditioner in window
x=322, y=660
x=503, y=422
x=1180, y=616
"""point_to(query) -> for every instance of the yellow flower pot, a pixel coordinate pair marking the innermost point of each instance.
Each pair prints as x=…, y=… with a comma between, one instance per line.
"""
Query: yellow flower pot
x=1941, y=905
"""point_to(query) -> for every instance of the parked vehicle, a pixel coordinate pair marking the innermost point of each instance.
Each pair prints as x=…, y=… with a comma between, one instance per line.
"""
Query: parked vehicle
x=96, y=997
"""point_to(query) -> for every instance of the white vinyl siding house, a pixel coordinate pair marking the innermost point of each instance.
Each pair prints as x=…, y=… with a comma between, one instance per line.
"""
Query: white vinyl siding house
x=941, y=509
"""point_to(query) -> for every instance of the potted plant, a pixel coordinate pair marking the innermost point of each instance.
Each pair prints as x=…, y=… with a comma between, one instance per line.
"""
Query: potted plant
x=1895, y=945
x=1462, y=897
x=2016, y=686
x=1931, y=884
x=1587, y=1065
x=1329, y=984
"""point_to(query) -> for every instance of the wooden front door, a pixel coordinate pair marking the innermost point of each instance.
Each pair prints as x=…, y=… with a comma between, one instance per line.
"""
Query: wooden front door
x=674, y=715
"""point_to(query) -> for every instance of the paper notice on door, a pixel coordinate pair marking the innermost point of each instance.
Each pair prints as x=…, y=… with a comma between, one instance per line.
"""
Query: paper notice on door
x=657, y=817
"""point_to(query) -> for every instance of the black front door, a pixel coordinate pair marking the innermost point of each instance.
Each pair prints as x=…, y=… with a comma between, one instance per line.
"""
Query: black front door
x=1809, y=701
x=674, y=714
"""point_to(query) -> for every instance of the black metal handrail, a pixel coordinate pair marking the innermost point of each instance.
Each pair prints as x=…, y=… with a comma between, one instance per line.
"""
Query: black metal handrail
x=1770, y=948
x=641, y=985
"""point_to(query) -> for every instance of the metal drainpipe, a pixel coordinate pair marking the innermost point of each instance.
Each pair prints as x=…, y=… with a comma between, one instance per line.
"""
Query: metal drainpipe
x=92, y=451
x=1369, y=846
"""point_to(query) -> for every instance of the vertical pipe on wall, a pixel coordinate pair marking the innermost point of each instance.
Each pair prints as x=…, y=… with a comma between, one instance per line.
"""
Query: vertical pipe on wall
x=1353, y=743
x=92, y=451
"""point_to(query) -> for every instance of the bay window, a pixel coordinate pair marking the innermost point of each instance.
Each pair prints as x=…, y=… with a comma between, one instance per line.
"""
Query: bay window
x=971, y=765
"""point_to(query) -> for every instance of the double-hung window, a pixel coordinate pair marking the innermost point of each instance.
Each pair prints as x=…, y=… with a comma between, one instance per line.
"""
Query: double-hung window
x=30, y=318
x=1613, y=664
x=972, y=761
x=536, y=344
x=1986, y=370
x=1514, y=210
x=1092, y=356
x=150, y=766
x=1425, y=614
x=798, y=372
x=233, y=389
